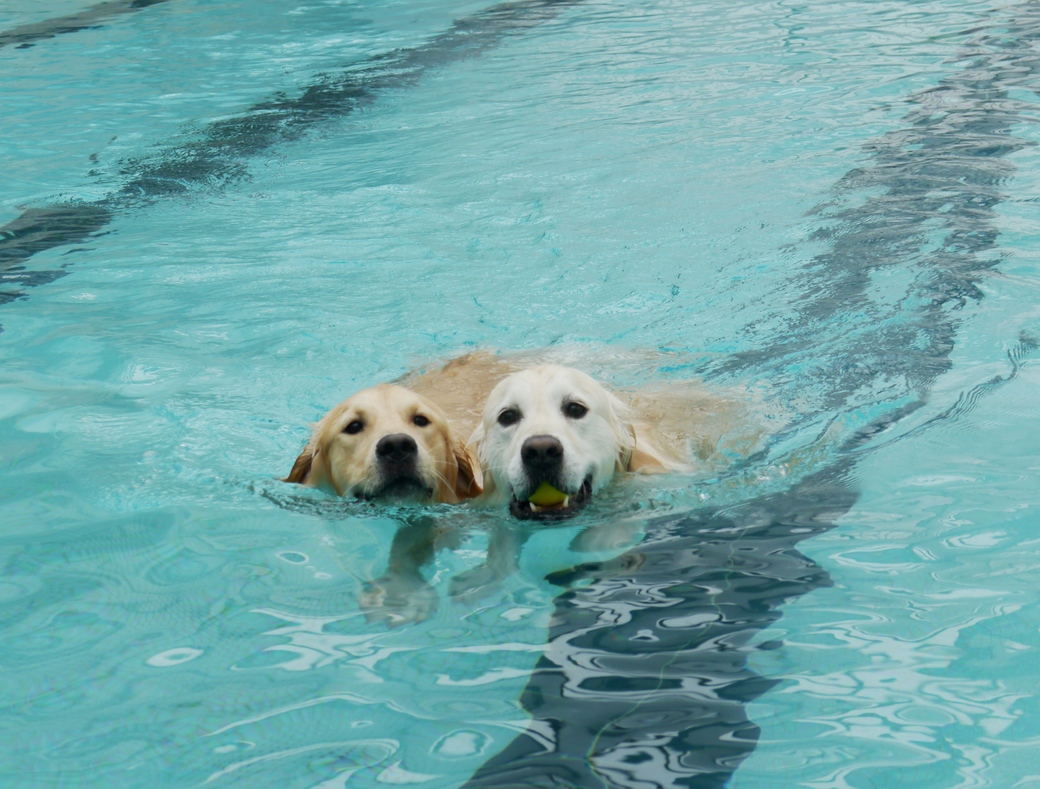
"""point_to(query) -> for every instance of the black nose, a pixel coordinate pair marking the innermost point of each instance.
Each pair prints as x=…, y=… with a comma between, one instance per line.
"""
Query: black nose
x=541, y=453
x=396, y=447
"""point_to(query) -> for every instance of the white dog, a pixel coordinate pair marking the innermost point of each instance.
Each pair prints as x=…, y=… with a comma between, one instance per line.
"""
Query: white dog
x=551, y=437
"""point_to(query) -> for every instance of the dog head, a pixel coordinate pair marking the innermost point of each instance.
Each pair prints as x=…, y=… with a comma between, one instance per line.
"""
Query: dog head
x=388, y=442
x=555, y=426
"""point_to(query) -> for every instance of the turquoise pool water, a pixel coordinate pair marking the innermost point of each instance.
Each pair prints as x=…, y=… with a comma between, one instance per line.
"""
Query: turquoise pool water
x=221, y=218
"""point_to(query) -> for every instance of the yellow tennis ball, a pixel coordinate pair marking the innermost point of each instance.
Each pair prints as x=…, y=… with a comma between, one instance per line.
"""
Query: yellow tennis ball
x=547, y=495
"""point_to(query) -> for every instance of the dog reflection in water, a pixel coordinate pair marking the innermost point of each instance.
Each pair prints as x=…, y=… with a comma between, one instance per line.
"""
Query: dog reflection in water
x=402, y=595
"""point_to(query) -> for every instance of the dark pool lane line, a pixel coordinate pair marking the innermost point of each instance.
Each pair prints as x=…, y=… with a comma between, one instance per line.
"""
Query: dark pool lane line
x=38, y=230
x=27, y=35
x=219, y=154
x=943, y=173
x=645, y=681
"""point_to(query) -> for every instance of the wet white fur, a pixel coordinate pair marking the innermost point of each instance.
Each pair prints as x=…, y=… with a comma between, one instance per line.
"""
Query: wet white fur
x=597, y=445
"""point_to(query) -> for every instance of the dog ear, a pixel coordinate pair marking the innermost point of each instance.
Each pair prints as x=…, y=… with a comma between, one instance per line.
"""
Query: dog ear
x=619, y=419
x=644, y=462
x=301, y=469
x=470, y=480
x=478, y=440
x=309, y=467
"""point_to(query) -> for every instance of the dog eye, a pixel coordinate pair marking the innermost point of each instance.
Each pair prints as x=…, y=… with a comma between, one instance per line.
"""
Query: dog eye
x=420, y=421
x=575, y=410
x=509, y=417
x=354, y=427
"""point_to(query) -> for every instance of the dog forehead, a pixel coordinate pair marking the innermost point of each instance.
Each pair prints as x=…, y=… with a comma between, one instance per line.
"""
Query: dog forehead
x=568, y=382
x=546, y=385
x=382, y=402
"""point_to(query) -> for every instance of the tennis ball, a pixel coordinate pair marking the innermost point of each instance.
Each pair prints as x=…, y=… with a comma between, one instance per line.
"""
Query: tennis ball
x=547, y=495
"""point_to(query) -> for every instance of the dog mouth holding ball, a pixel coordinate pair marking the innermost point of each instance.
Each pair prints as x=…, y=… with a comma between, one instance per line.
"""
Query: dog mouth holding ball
x=544, y=493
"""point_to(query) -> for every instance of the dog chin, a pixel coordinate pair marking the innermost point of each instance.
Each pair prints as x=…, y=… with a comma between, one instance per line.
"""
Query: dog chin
x=400, y=489
x=525, y=510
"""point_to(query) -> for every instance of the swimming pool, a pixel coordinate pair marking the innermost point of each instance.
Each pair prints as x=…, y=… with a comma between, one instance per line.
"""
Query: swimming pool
x=220, y=219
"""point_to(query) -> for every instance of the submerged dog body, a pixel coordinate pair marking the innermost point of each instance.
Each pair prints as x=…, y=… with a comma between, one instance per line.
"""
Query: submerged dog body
x=388, y=442
x=551, y=436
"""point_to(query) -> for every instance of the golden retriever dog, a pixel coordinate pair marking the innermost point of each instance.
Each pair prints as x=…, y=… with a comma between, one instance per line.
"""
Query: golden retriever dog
x=549, y=436
x=388, y=443
x=552, y=436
